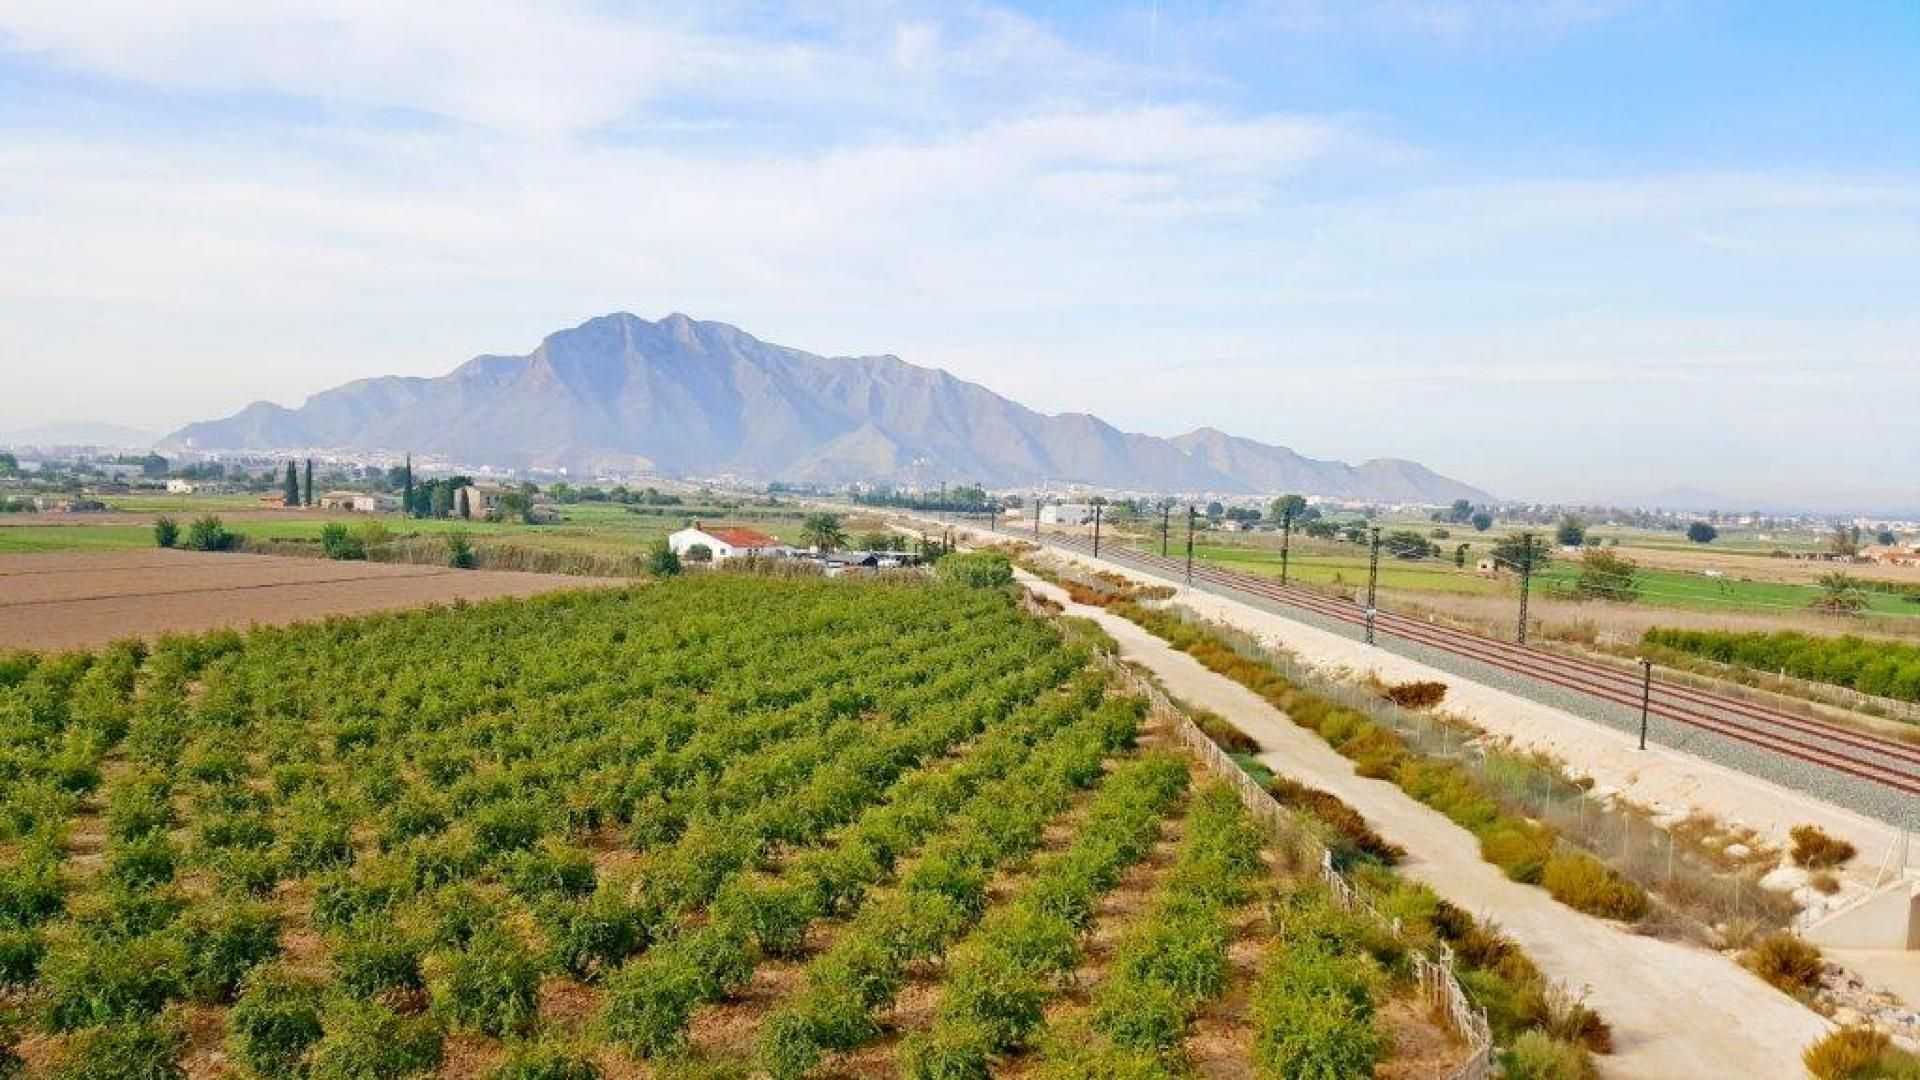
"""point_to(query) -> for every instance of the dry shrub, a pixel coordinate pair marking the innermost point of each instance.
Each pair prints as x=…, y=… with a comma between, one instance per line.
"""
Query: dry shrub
x=1422, y=694
x=1846, y=1053
x=1825, y=881
x=1785, y=961
x=1584, y=883
x=1344, y=820
x=1223, y=733
x=1816, y=849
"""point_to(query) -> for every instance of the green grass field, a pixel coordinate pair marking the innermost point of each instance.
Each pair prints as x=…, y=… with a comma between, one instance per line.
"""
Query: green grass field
x=586, y=528
x=1322, y=563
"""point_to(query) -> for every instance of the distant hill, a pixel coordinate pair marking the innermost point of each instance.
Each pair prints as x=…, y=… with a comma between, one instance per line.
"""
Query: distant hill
x=687, y=398
x=108, y=435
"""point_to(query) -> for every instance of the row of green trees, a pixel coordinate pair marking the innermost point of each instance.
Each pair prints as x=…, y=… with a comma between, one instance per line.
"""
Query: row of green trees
x=1870, y=666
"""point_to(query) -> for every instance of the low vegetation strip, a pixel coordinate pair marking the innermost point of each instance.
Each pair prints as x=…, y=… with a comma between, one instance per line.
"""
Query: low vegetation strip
x=1879, y=668
x=1526, y=850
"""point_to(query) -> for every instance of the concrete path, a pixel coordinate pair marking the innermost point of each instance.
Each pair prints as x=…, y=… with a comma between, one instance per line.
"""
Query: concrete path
x=1676, y=1010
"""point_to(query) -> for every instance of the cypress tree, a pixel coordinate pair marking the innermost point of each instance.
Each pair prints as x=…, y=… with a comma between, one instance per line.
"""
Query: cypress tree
x=290, y=488
x=406, y=500
x=309, y=481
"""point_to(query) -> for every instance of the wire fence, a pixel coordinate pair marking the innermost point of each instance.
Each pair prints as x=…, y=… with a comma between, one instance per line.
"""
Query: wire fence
x=1706, y=883
x=1433, y=975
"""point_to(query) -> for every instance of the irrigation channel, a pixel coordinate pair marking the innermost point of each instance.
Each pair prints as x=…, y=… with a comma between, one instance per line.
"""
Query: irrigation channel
x=1888, y=768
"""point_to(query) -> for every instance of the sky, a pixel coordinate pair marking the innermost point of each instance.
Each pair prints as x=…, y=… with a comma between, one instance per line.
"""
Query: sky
x=1561, y=249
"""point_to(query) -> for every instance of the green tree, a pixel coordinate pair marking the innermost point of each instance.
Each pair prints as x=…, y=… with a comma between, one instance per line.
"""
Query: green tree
x=1460, y=556
x=1405, y=544
x=1884, y=538
x=1702, y=533
x=662, y=560
x=166, y=532
x=1481, y=521
x=824, y=532
x=309, y=481
x=459, y=550
x=1460, y=512
x=290, y=487
x=153, y=465
x=9, y=465
x=1571, y=532
x=210, y=534
x=1511, y=552
x=1845, y=540
x=1607, y=576
x=1840, y=594
x=1289, y=506
x=338, y=542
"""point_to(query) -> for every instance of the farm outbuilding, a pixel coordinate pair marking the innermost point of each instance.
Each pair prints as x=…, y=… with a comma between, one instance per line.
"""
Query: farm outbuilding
x=725, y=542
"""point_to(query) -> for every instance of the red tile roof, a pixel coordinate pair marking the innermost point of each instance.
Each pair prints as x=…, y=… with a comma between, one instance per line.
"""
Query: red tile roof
x=735, y=536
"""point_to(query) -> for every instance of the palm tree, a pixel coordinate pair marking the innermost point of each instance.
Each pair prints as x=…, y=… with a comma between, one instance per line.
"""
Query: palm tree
x=823, y=532
x=1840, y=594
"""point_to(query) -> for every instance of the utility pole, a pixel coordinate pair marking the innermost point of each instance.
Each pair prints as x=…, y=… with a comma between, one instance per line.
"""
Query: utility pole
x=1286, y=541
x=1036, y=517
x=1373, y=580
x=943, y=501
x=1526, y=581
x=1646, y=697
x=1190, y=517
x=1166, y=521
x=1096, y=529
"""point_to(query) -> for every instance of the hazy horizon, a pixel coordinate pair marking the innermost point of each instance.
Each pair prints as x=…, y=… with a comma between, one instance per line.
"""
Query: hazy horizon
x=1572, y=251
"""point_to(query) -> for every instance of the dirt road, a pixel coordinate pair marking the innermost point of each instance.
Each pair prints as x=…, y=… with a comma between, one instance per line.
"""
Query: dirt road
x=1676, y=1010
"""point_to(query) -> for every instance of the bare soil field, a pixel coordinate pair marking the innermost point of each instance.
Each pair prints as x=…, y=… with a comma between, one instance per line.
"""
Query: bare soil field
x=66, y=601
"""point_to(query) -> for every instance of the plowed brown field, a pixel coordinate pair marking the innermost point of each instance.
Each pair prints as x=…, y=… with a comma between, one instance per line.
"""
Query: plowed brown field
x=69, y=601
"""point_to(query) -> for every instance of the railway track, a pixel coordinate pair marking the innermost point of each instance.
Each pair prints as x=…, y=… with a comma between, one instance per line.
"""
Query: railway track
x=1889, y=763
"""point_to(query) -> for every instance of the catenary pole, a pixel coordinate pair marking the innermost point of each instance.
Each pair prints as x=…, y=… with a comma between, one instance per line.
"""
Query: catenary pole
x=1373, y=580
x=1526, y=582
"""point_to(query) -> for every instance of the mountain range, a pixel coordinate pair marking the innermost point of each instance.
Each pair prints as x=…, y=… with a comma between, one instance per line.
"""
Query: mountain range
x=681, y=397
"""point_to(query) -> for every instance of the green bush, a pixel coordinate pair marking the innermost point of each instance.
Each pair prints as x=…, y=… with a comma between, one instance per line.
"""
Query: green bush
x=87, y=981
x=1535, y=1055
x=166, y=532
x=492, y=985
x=209, y=534
x=373, y=955
x=946, y=1052
x=274, y=1022
x=339, y=542
x=132, y=1050
x=975, y=570
x=1315, y=1038
x=366, y=1040
x=223, y=940
x=20, y=953
x=545, y=1060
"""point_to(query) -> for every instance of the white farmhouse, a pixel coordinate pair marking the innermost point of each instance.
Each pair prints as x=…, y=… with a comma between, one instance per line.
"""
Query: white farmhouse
x=178, y=486
x=725, y=542
x=1068, y=514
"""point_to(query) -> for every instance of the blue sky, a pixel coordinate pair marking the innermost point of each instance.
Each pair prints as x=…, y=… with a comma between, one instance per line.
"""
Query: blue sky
x=1563, y=249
